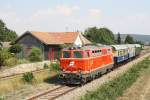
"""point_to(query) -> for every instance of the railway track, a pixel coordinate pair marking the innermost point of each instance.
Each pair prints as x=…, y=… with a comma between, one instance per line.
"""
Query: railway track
x=19, y=74
x=52, y=94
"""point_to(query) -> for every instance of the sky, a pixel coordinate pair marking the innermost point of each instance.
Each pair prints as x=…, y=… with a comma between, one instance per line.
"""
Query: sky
x=124, y=16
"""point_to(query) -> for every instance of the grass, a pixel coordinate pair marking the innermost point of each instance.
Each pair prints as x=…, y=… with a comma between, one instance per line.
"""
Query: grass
x=54, y=66
x=16, y=83
x=115, y=88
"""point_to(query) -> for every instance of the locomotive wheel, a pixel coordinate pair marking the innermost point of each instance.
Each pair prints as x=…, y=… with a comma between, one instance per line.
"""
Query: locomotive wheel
x=99, y=74
x=83, y=81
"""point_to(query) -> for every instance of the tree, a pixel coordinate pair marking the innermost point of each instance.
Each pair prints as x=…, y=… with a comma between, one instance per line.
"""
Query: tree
x=129, y=39
x=16, y=48
x=118, y=38
x=91, y=33
x=35, y=55
x=6, y=34
x=100, y=35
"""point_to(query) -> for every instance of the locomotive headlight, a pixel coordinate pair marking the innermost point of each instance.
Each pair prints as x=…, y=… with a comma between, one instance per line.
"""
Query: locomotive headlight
x=71, y=63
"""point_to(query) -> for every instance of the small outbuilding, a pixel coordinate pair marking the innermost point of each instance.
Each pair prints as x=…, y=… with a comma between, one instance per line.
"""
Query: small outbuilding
x=5, y=44
x=49, y=42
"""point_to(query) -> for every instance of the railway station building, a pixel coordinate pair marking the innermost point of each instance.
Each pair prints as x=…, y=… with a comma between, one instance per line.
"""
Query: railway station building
x=49, y=42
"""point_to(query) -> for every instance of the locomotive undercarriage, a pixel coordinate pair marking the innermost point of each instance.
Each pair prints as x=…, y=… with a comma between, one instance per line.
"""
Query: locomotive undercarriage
x=80, y=79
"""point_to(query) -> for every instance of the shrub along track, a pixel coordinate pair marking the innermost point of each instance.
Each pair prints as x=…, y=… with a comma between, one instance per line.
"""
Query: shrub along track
x=116, y=87
x=19, y=74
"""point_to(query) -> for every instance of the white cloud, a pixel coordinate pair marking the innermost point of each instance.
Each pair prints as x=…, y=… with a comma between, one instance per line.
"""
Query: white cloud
x=59, y=10
x=10, y=18
x=62, y=16
x=66, y=10
x=95, y=13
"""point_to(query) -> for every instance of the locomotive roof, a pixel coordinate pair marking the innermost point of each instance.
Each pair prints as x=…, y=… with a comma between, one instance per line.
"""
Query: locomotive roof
x=92, y=47
x=89, y=47
x=99, y=46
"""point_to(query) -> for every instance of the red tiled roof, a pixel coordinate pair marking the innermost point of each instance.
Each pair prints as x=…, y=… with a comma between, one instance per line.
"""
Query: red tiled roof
x=57, y=37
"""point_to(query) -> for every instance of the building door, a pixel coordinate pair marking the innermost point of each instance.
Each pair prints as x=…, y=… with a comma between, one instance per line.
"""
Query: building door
x=51, y=54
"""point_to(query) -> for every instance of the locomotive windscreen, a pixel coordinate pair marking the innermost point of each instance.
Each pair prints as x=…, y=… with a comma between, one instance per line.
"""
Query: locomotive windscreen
x=66, y=54
x=77, y=54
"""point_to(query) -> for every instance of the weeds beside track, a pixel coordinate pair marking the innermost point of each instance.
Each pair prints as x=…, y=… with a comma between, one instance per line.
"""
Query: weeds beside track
x=116, y=87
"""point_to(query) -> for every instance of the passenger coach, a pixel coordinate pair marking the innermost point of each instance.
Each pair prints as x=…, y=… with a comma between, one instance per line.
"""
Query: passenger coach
x=120, y=53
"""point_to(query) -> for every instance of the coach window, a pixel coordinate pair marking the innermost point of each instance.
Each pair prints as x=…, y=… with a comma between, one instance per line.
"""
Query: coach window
x=78, y=54
x=66, y=54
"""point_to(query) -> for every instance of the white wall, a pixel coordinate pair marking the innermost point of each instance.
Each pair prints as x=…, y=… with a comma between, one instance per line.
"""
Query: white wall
x=78, y=41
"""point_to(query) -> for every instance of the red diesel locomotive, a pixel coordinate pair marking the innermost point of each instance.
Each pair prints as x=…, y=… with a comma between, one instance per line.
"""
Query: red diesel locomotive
x=79, y=65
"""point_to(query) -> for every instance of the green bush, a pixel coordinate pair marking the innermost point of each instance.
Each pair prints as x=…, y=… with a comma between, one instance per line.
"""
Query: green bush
x=2, y=97
x=55, y=66
x=4, y=55
x=28, y=77
x=11, y=61
x=15, y=48
x=45, y=66
x=35, y=55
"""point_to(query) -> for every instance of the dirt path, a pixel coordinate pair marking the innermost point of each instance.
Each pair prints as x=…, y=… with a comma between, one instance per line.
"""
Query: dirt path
x=140, y=90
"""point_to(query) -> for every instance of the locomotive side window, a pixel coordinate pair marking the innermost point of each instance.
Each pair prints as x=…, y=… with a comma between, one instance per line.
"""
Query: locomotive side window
x=96, y=53
x=66, y=54
x=78, y=54
x=86, y=54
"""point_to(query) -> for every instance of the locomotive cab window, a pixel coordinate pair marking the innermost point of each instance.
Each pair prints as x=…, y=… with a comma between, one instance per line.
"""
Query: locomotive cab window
x=78, y=54
x=66, y=54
